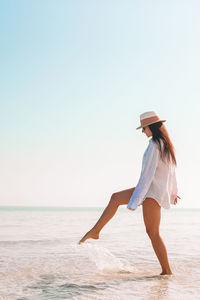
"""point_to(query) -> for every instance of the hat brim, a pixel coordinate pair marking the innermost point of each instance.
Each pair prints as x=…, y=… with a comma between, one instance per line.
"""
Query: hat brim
x=151, y=123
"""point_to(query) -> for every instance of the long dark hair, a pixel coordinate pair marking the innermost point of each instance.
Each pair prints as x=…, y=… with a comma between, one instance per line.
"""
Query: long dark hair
x=159, y=132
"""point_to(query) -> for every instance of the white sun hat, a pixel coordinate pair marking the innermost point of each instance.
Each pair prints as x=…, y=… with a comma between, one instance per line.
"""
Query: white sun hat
x=148, y=118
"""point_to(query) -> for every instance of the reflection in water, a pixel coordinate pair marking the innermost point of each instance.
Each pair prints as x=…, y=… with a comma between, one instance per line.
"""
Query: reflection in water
x=159, y=289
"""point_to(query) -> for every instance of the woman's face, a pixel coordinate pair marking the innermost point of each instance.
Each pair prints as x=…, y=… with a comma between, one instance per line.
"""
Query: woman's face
x=147, y=131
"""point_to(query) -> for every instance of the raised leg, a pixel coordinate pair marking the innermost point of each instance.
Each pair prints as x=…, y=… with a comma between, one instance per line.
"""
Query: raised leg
x=152, y=216
x=117, y=199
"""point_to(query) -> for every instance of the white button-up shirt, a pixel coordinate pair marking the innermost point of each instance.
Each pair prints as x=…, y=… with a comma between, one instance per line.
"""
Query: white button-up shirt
x=157, y=179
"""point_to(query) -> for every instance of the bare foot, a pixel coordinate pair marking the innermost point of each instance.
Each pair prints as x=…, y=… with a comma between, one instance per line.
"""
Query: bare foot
x=89, y=235
x=166, y=273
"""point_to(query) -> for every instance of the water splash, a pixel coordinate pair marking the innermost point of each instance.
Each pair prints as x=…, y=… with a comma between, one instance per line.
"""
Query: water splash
x=103, y=258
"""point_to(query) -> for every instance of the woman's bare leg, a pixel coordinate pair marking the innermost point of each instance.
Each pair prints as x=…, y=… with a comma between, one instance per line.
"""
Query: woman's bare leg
x=117, y=199
x=151, y=216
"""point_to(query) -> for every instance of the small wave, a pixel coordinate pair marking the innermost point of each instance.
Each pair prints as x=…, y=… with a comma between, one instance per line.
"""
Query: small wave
x=42, y=241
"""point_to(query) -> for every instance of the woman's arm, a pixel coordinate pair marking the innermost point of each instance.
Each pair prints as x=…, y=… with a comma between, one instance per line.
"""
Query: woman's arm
x=146, y=177
x=175, y=197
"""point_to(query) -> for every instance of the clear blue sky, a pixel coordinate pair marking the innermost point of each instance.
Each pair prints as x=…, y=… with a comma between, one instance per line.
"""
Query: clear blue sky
x=75, y=76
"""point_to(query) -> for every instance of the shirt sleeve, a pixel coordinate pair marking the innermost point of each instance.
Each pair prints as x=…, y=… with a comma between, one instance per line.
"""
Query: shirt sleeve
x=174, y=188
x=148, y=170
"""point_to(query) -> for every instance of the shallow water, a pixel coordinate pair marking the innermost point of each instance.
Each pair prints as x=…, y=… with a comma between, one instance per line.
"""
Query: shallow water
x=40, y=257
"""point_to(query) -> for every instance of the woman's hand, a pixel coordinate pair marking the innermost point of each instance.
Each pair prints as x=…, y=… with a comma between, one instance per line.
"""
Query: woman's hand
x=176, y=199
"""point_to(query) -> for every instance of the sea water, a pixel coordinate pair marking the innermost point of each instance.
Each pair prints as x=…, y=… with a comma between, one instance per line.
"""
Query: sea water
x=41, y=260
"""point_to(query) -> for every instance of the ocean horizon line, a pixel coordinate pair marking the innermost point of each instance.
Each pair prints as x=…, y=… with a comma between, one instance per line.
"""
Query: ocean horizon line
x=67, y=208
x=21, y=207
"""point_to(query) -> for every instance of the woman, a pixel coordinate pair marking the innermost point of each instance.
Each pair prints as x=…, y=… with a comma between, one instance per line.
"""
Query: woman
x=156, y=188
